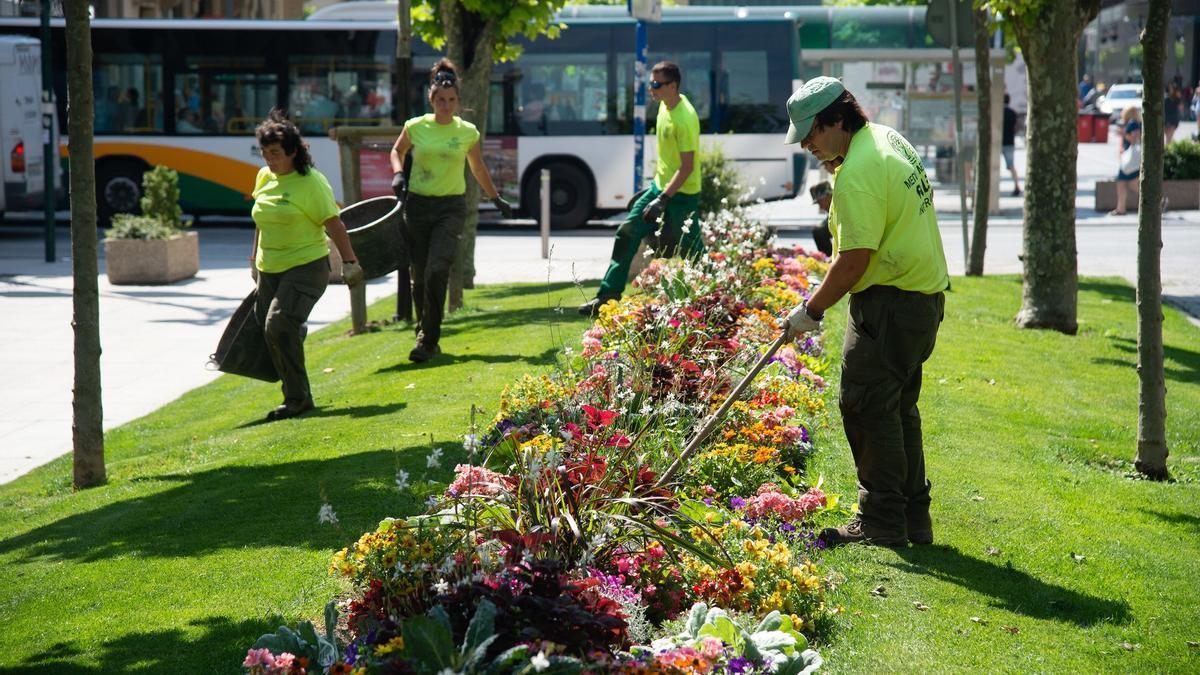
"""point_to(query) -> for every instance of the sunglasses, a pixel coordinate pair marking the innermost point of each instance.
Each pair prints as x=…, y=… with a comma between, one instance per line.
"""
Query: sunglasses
x=656, y=84
x=444, y=79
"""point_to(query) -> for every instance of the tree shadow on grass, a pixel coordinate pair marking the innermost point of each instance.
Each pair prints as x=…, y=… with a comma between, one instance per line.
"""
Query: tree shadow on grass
x=516, y=318
x=220, y=648
x=1186, y=362
x=1114, y=290
x=1185, y=520
x=352, y=411
x=505, y=291
x=546, y=358
x=1013, y=590
x=240, y=506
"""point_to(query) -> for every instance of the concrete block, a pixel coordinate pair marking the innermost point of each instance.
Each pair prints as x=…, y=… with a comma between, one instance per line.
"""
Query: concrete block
x=1182, y=195
x=152, y=261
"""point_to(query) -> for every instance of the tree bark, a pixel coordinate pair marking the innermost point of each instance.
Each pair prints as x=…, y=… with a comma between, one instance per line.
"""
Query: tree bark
x=87, y=428
x=1049, y=37
x=470, y=43
x=1151, y=458
x=983, y=143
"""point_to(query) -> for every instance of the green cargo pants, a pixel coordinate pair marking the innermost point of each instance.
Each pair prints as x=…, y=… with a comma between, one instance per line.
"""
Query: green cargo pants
x=681, y=209
x=433, y=230
x=285, y=300
x=889, y=335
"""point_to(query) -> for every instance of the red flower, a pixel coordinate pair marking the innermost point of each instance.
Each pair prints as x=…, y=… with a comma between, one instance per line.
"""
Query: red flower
x=599, y=418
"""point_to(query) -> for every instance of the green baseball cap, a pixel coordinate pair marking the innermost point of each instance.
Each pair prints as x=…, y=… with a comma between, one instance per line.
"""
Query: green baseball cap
x=810, y=99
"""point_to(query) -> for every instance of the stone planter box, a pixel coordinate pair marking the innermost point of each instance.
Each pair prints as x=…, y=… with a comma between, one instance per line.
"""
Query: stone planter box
x=1180, y=194
x=152, y=261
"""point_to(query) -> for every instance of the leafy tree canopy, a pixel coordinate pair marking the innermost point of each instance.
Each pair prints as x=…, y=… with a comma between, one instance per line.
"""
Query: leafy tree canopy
x=530, y=19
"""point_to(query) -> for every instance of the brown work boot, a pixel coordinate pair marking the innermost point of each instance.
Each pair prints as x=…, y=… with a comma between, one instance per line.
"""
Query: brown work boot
x=423, y=352
x=591, y=308
x=920, y=529
x=854, y=533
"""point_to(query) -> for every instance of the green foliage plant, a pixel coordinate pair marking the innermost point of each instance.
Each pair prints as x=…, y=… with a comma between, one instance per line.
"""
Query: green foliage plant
x=161, y=215
x=720, y=183
x=1181, y=161
x=774, y=640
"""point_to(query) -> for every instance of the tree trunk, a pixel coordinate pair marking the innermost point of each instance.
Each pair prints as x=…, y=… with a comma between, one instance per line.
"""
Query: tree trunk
x=983, y=143
x=1151, y=458
x=87, y=428
x=470, y=43
x=1049, y=41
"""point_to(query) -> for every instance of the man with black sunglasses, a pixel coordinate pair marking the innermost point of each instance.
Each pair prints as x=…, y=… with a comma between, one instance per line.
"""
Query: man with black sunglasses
x=673, y=199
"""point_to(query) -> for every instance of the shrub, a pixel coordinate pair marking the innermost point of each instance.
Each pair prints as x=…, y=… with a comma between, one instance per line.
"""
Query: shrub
x=160, y=195
x=130, y=226
x=720, y=184
x=1181, y=161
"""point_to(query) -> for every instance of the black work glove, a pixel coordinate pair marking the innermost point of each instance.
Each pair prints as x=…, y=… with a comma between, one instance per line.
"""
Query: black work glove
x=654, y=210
x=503, y=206
x=399, y=185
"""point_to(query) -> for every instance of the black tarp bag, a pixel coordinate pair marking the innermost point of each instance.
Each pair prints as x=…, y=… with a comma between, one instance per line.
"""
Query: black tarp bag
x=243, y=348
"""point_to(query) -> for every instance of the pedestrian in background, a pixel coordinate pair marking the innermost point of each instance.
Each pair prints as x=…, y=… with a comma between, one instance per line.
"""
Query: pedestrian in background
x=434, y=198
x=674, y=197
x=889, y=258
x=1172, y=111
x=1008, y=144
x=293, y=211
x=1130, y=160
x=822, y=196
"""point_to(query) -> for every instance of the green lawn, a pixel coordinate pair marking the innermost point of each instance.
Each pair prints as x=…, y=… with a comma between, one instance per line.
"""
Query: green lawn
x=207, y=535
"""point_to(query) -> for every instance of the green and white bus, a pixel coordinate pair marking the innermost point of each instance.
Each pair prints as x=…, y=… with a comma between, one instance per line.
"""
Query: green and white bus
x=188, y=94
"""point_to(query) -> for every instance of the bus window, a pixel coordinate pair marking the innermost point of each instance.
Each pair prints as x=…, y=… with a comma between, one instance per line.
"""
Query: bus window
x=553, y=98
x=329, y=91
x=753, y=78
x=696, y=68
x=128, y=93
x=223, y=95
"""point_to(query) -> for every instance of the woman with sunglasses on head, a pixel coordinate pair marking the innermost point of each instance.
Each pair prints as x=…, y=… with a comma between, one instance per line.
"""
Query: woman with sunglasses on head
x=434, y=197
x=293, y=210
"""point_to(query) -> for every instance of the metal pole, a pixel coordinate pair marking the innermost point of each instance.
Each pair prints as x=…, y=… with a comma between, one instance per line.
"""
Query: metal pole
x=545, y=224
x=49, y=152
x=959, y=169
x=358, y=307
x=639, y=105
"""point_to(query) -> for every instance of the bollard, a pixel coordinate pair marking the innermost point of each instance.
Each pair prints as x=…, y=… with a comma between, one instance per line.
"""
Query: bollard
x=358, y=308
x=545, y=213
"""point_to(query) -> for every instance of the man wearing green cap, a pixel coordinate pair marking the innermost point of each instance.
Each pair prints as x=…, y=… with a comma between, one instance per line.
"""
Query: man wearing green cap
x=673, y=199
x=889, y=258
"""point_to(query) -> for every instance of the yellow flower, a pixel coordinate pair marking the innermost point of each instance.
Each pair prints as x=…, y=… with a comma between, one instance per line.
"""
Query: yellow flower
x=783, y=586
x=396, y=644
x=747, y=570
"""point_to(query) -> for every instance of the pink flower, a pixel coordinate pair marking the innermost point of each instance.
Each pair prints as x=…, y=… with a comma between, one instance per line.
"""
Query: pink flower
x=259, y=657
x=712, y=647
x=283, y=662
x=770, y=502
x=475, y=480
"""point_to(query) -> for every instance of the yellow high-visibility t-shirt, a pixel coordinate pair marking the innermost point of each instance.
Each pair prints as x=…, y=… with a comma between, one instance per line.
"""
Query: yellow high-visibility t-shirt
x=677, y=131
x=882, y=201
x=439, y=155
x=290, y=213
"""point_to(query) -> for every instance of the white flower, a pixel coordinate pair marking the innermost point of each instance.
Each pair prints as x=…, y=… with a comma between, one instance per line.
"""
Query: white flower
x=434, y=460
x=442, y=586
x=539, y=662
x=447, y=565
x=401, y=480
x=326, y=515
x=470, y=442
x=431, y=501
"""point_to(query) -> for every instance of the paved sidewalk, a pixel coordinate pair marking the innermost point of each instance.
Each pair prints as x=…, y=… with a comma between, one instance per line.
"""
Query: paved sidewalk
x=156, y=339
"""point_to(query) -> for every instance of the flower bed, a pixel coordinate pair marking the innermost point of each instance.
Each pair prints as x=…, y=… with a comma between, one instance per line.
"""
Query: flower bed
x=562, y=549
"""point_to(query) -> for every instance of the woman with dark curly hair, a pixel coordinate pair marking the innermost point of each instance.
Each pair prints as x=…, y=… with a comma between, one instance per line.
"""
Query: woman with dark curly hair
x=435, y=209
x=293, y=210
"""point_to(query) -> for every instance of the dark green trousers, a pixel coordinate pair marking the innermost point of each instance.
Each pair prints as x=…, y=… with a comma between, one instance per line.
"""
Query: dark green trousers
x=681, y=209
x=433, y=229
x=285, y=299
x=890, y=334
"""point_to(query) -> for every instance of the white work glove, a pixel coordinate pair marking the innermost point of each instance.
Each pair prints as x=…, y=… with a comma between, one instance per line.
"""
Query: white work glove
x=799, y=322
x=352, y=273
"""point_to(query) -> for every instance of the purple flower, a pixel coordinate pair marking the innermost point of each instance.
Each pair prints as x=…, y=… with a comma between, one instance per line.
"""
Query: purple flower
x=739, y=665
x=736, y=502
x=787, y=527
x=803, y=434
x=707, y=501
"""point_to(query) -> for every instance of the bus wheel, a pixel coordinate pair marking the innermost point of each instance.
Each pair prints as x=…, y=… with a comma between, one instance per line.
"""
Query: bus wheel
x=118, y=189
x=572, y=196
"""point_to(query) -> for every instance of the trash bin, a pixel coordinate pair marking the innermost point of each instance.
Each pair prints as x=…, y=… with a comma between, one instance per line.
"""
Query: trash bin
x=1087, y=128
x=1099, y=128
x=374, y=229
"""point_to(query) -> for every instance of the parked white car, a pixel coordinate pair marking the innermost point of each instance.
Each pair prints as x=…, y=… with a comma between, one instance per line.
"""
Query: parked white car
x=1118, y=97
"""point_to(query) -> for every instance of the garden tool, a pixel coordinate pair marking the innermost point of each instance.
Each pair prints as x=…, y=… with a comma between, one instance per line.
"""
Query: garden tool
x=715, y=419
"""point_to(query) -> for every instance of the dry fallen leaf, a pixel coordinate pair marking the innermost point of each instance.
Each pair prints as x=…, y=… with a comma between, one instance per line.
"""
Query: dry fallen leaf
x=992, y=550
x=1192, y=644
x=1129, y=646
x=979, y=620
x=962, y=631
x=977, y=498
x=1077, y=557
x=411, y=386
x=920, y=605
x=992, y=382
x=327, y=370
x=1011, y=629
x=879, y=591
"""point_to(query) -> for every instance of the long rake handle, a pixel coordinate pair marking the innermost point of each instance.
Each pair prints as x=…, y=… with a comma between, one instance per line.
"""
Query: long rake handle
x=716, y=417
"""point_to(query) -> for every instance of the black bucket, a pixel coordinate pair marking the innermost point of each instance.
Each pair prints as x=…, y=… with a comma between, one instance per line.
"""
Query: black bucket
x=374, y=229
